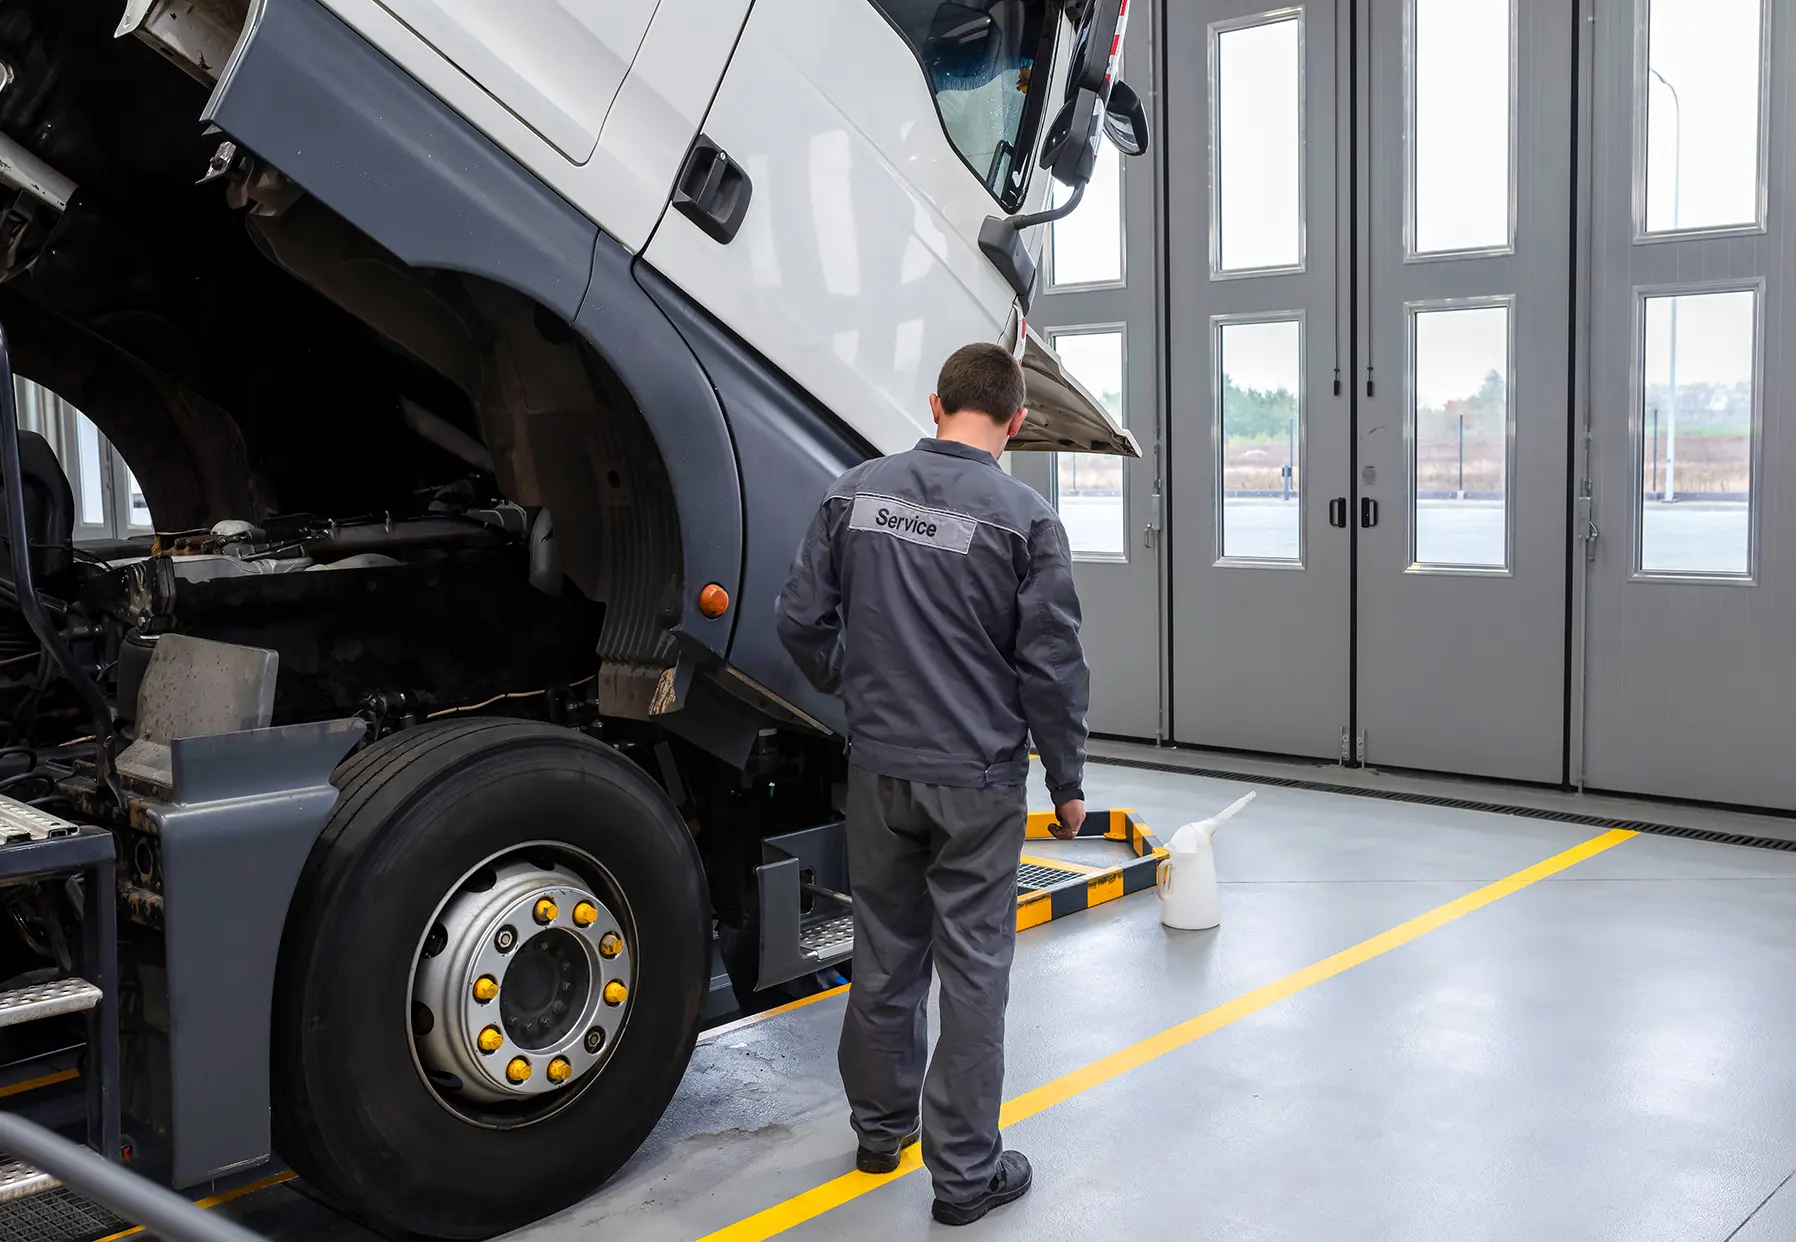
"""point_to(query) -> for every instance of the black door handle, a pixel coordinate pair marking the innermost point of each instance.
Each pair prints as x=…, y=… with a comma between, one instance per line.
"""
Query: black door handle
x=712, y=191
x=1337, y=512
x=1368, y=512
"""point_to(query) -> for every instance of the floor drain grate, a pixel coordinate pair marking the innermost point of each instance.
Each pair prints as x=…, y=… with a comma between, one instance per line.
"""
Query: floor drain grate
x=1462, y=804
x=58, y=1215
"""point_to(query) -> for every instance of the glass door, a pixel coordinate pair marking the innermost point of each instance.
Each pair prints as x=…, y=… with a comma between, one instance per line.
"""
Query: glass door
x=1692, y=573
x=1097, y=305
x=1260, y=415
x=1464, y=409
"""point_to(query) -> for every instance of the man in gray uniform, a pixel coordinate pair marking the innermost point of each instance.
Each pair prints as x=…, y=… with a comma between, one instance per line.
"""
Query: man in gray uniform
x=934, y=593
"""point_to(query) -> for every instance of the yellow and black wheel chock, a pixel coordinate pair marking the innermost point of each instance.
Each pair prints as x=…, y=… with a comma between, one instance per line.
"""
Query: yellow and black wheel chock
x=1048, y=888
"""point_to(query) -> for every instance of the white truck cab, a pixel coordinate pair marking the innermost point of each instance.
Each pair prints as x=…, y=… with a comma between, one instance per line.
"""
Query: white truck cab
x=544, y=325
x=869, y=142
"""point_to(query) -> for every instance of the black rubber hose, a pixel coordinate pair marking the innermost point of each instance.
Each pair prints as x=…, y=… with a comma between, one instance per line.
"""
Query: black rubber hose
x=25, y=594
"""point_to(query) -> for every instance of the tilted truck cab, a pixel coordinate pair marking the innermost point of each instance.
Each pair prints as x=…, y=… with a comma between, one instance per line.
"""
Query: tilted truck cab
x=481, y=368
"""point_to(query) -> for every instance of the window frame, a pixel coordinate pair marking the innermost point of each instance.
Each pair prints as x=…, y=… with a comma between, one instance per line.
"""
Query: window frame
x=1755, y=285
x=1120, y=329
x=1410, y=253
x=1218, y=467
x=1512, y=420
x=1122, y=232
x=1048, y=51
x=1217, y=29
x=1641, y=87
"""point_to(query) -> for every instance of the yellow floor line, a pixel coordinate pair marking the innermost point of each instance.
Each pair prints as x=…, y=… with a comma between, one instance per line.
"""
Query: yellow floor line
x=832, y=1194
x=214, y=1200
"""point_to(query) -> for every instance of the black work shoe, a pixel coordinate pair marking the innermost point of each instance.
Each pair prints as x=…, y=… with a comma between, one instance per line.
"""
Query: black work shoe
x=1010, y=1183
x=881, y=1162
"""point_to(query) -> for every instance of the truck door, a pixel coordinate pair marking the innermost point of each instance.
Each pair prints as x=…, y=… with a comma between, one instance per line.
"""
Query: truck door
x=555, y=64
x=877, y=136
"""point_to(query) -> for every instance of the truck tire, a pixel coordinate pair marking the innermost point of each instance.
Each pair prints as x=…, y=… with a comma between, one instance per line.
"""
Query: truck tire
x=395, y=1115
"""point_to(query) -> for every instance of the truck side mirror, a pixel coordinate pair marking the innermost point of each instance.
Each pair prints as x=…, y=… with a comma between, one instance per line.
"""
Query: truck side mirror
x=1125, y=120
x=1069, y=151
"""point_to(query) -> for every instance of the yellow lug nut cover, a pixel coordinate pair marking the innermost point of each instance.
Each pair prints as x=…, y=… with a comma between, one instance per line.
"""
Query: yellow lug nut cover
x=616, y=993
x=585, y=914
x=518, y=1070
x=546, y=910
x=491, y=1039
x=485, y=988
x=610, y=945
x=560, y=1070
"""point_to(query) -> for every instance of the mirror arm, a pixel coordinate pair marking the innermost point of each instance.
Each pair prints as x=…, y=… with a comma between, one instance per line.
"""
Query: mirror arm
x=1019, y=223
x=1001, y=240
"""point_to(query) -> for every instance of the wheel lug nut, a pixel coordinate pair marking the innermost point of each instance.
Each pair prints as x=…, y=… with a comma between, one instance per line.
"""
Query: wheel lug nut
x=485, y=988
x=518, y=1071
x=491, y=1039
x=595, y=1039
x=507, y=939
x=610, y=946
x=559, y=1008
x=545, y=910
x=616, y=993
x=585, y=914
x=560, y=1070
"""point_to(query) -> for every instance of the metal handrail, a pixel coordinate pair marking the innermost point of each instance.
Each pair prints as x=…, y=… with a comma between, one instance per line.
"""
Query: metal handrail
x=135, y=1198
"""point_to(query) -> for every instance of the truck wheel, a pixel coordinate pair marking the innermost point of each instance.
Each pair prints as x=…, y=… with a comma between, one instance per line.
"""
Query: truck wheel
x=490, y=981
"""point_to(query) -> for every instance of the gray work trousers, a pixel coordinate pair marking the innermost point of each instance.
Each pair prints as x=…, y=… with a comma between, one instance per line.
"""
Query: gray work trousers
x=934, y=875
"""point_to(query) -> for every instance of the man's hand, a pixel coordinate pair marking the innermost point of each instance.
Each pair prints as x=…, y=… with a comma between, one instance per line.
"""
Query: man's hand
x=1070, y=815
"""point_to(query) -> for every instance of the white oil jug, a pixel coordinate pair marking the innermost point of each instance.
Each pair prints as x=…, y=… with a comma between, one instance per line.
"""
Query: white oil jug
x=1189, y=898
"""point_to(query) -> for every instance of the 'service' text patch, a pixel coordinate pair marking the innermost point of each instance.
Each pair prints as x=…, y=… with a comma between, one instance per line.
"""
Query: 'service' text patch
x=933, y=528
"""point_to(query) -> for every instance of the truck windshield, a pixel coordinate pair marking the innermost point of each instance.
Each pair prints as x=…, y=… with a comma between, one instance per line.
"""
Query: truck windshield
x=980, y=58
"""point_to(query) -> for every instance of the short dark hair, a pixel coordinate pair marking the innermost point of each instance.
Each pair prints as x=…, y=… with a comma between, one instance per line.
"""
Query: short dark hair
x=982, y=377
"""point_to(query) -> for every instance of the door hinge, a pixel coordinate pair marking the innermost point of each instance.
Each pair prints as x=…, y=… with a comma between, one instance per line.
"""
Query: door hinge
x=1588, y=534
x=1359, y=748
x=1151, y=533
x=1346, y=746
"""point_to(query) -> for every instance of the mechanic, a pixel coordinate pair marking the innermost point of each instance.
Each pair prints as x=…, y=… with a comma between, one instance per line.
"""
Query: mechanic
x=934, y=594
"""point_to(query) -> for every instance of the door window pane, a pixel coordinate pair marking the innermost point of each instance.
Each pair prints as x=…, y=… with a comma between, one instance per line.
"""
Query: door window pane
x=1087, y=246
x=1257, y=146
x=1460, y=78
x=1702, y=90
x=1261, y=424
x=1088, y=487
x=87, y=457
x=1460, y=407
x=1697, y=433
x=979, y=58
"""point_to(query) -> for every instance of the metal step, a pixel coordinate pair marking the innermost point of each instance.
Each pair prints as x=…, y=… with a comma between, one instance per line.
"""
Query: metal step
x=829, y=942
x=19, y=1180
x=19, y=822
x=47, y=1000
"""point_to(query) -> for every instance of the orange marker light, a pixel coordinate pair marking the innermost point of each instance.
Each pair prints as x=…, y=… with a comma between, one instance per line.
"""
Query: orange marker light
x=713, y=601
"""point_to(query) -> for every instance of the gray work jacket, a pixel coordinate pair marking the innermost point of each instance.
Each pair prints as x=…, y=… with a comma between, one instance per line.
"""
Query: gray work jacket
x=934, y=593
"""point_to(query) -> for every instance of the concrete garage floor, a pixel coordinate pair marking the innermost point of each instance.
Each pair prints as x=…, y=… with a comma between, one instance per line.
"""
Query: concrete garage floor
x=1602, y=1054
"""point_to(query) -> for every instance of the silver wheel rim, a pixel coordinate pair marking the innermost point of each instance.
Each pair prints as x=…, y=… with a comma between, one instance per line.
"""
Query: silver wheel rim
x=516, y=1004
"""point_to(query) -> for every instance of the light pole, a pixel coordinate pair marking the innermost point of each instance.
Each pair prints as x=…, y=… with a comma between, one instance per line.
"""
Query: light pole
x=1677, y=187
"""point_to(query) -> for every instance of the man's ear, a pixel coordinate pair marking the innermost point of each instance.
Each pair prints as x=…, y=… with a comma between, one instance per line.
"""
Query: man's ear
x=935, y=409
x=1016, y=423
